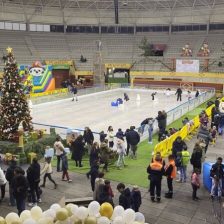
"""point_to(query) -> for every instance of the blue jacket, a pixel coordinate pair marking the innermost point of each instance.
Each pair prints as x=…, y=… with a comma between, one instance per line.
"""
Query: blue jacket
x=64, y=162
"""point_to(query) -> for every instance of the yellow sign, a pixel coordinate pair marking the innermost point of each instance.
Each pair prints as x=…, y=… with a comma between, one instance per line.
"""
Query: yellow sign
x=59, y=62
x=56, y=91
x=118, y=65
x=80, y=73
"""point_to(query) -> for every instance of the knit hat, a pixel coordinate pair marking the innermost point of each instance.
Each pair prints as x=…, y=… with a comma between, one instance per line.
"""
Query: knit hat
x=135, y=188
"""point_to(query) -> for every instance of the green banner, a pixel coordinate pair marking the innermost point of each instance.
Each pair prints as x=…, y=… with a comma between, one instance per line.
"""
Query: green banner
x=61, y=67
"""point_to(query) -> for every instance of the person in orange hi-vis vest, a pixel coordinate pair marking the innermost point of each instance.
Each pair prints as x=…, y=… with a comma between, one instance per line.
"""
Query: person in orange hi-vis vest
x=155, y=171
x=170, y=173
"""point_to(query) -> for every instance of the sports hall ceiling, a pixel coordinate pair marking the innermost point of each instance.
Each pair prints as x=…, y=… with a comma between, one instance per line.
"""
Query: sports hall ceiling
x=102, y=11
x=123, y=4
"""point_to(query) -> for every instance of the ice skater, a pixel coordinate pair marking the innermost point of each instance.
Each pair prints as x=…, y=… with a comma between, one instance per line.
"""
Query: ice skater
x=167, y=93
x=153, y=95
x=189, y=95
x=74, y=91
x=126, y=97
x=179, y=94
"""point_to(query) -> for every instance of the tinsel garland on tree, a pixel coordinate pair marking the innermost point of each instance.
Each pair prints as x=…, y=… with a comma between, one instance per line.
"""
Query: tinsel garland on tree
x=14, y=109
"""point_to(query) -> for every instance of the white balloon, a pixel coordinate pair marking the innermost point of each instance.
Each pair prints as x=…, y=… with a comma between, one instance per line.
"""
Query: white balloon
x=73, y=208
x=93, y=208
x=118, y=211
x=50, y=213
x=25, y=215
x=129, y=216
x=82, y=213
x=12, y=217
x=30, y=221
x=36, y=212
x=55, y=207
x=118, y=220
x=139, y=217
x=103, y=220
x=45, y=220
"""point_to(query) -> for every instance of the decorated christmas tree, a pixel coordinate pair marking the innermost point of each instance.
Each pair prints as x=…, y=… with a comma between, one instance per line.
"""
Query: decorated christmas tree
x=14, y=109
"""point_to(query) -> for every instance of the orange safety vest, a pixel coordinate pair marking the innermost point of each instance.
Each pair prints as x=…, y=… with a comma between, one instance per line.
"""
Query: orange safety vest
x=156, y=166
x=174, y=171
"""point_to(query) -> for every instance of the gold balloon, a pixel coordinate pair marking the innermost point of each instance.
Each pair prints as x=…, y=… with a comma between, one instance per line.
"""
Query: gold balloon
x=106, y=209
x=2, y=220
x=75, y=220
x=90, y=220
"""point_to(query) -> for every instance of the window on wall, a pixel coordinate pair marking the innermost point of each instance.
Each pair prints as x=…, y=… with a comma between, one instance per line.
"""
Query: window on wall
x=82, y=29
x=39, y=27
x=216, y=27
x=12, y=26
x=125, y=29
x=195, y=27
x=107, y=29
x=140, y=29
x=57, y=28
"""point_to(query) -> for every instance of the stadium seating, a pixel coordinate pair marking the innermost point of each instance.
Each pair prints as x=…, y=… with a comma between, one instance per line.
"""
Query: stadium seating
x=116, y=48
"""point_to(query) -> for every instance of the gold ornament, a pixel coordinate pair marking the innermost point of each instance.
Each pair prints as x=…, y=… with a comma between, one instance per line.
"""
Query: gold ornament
x=9, y=50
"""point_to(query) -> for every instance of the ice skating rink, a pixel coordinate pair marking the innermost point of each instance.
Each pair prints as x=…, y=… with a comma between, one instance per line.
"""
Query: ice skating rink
x=96, y=112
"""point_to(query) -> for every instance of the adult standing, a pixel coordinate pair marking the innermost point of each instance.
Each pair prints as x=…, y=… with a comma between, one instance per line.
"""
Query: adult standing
x=204, y=134
x=196, y=157
x=128, y=145
x=161, y=119
x=105, y=154
x=94, y=153
x=59, y=149
x=88, y=138
x=20, y=188
x=179, y=94
x=133, y=139
x=77, y=148
x=33, y=177
x=110, y=134
x=9, y=177
x=155, y=171
x=150, y=129
x=3, y=182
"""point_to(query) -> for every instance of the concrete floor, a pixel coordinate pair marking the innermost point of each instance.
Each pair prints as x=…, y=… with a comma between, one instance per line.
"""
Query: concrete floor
x=96, y=112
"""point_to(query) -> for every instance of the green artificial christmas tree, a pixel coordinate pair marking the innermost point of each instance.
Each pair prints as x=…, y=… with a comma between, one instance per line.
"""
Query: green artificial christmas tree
x=14, y=109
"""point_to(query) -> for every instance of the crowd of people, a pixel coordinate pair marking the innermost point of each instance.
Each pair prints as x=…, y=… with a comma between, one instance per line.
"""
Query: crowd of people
x=122, y=143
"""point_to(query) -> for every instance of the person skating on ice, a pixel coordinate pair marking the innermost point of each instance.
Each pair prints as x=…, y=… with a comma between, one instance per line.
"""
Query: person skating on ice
x=153, y=95
x=74, y=91
x=126, y=97
x=179, y=94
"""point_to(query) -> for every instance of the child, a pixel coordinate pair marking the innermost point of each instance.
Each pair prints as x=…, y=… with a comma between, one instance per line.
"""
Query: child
x=65, y=167
x=214, y=135
x=126, y=98
x=195, y=183
x=185, y=158
x=121, y=152
x=110, y=134
x=94, y=172
x=136, y=198
x=47, y=171
x=170, y=173
x=125, y=196
x=110, y=191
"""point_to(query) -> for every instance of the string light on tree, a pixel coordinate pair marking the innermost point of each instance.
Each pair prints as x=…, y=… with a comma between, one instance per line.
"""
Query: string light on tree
x=14, y=105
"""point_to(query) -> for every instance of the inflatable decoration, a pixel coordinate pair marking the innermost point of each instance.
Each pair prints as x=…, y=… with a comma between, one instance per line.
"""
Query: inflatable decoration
x=186, y=51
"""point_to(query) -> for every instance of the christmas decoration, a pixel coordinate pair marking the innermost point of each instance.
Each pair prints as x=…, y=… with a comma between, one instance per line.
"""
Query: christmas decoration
x=14, y=105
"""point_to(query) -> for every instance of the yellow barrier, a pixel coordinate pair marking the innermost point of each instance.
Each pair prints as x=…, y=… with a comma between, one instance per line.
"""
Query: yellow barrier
x=165, y=146
x=56, y=91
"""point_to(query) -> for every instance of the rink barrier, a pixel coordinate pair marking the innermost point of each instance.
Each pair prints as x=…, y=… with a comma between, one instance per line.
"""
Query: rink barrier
x=165, y=146
x=172, y=115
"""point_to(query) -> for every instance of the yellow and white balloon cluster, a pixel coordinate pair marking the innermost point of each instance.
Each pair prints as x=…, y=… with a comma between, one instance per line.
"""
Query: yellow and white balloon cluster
x=72, y=214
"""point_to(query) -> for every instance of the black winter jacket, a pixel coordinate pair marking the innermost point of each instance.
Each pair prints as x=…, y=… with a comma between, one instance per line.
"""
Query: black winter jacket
x=20, y=186
x=217, y=171
x=33, y=173
x=125, y=199
x=132, y=137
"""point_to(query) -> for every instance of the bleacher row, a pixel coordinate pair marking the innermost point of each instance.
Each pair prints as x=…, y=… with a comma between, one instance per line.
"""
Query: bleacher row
x=29, y=47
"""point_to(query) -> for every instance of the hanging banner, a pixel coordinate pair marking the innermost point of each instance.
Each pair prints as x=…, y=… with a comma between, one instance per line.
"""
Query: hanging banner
x=187, y=65
x=59, y=62
x=115, y=65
